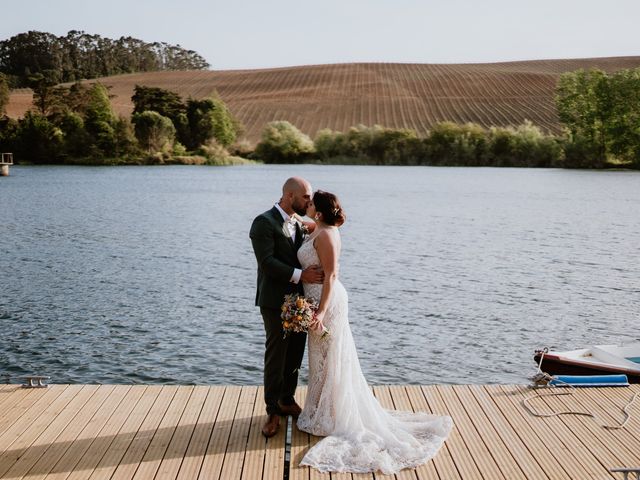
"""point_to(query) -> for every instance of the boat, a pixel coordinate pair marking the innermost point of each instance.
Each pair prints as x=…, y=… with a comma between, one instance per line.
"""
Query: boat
x=594, y=360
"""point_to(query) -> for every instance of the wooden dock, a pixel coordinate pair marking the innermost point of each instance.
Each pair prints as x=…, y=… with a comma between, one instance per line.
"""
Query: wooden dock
x=213, y=432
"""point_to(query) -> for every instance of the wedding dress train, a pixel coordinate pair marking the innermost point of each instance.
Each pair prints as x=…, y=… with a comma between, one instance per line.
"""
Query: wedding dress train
x=360, y=435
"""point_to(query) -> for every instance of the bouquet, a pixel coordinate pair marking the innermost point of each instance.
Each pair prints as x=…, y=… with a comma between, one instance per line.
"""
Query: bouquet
x=297, y=314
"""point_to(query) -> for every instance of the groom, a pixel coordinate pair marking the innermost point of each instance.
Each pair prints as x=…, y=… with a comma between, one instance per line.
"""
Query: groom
x=276, y=237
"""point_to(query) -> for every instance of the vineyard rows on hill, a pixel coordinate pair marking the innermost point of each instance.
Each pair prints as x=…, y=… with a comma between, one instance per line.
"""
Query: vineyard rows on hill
x=340, y=96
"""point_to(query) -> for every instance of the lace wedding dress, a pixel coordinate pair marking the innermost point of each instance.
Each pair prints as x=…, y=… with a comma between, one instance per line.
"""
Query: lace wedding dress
x=360, y=435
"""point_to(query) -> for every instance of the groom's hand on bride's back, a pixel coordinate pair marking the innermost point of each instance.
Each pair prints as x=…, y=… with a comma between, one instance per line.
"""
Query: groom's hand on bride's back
x=312, y=274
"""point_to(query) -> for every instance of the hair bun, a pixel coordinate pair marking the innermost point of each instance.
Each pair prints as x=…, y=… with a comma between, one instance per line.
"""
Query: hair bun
x=329, y=205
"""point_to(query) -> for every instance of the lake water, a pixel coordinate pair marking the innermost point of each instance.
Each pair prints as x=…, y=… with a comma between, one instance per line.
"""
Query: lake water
x=455, y=275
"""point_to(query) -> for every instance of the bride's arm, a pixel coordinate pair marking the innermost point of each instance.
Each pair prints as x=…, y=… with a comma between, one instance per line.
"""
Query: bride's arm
x=327, y=247
x=310, y=226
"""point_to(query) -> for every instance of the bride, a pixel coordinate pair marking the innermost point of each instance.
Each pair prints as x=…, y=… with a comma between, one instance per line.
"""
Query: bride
x=360, y=436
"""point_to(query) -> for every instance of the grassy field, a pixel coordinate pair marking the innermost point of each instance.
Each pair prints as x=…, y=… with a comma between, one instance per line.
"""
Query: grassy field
x=390, y=94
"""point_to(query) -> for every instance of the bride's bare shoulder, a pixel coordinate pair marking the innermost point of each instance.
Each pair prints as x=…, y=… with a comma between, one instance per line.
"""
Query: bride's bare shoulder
x=327, y=236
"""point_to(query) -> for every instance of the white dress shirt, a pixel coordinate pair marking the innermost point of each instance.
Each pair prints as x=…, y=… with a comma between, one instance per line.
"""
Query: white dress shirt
x=297, y=273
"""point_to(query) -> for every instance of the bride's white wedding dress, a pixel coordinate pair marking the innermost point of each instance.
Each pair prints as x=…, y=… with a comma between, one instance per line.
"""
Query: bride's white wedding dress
x=360, y=435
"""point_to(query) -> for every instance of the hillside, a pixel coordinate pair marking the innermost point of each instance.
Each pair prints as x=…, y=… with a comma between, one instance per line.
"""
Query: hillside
x=394, y=95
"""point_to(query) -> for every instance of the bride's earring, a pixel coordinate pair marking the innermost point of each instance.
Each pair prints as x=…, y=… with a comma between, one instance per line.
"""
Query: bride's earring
x=317, y=217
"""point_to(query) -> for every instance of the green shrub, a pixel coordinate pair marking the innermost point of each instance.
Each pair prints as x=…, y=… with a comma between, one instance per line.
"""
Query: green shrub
x=283, y=143
x=523, y=146
x=452, y=144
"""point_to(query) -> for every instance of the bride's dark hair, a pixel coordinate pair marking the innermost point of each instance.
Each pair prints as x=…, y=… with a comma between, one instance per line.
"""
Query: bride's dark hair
x=329, y=206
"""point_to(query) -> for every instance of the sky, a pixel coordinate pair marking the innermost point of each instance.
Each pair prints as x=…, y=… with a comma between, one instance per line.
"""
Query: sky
x=239, y=34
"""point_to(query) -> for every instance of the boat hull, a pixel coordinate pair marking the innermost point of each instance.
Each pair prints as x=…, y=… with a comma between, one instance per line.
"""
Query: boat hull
x=557, y=365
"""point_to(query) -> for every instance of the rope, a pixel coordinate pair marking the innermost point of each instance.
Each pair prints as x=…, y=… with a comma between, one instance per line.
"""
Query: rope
x=541, y=379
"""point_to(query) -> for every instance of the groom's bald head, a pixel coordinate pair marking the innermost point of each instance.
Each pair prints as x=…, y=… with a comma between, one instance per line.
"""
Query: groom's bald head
x=295, y=184
x=296, y=195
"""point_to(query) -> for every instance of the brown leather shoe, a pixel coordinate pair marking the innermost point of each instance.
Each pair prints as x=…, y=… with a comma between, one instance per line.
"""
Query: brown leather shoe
x=271, y=427
x=294, y=409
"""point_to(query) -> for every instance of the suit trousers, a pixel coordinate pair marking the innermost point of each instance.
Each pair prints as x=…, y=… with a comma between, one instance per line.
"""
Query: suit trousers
x=282, y=360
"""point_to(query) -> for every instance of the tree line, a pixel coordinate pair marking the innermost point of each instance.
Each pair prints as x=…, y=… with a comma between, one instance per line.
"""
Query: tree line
x=80, y=55
x=600, y=114
x=446, y=144
x=77, y=124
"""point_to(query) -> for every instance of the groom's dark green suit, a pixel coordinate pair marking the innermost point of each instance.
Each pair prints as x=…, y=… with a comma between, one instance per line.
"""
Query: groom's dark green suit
x=276, y=253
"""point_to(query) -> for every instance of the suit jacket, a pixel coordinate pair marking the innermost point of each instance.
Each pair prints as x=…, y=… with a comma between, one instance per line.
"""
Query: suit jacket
x=276, y=253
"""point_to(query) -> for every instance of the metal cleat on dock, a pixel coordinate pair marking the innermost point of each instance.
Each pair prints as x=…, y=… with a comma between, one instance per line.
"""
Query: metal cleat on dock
x=35, y=381
x=627, y=472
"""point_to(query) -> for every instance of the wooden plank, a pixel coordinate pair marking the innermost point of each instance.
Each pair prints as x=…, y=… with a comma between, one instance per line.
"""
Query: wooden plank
x=19, y=403
x=163, y=434
x=176, y=450
x=383, y=395
x=313, y=473
x=460, y=453
x=197, y=449
x=617, y=399
x=299, y=445
x=256, y=443
x=554, y=433
x=617, y=441
x=214, y=457
x=526, y=447
x=274, y=454
x=20, y=436
x=137, y=448
x=10, y=395
x=552, y=455
x=105, y=453
x=54, y=451
x=86, y=438
x=443, y=463
x=32, y=445
x=585, y=446
x=402, y=402
x=238, y=437
x=472, y=438
x=486, y=427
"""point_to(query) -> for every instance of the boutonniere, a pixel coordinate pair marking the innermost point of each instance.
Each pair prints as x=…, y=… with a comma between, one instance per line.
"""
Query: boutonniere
x=303, y=227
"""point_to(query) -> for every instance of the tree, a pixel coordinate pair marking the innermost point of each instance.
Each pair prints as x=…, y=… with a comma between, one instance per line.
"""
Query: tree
x=584, y=107
x=165, y=102
x=154, y=132
x=46, y=96
x=38, y=140
x=209, y=119
x=76, y=140
x=125, y=139
x=4, y=93
x=8, y=134
x=100, y=119
x=28, y=54
x=623, y=126
x=601, y=113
